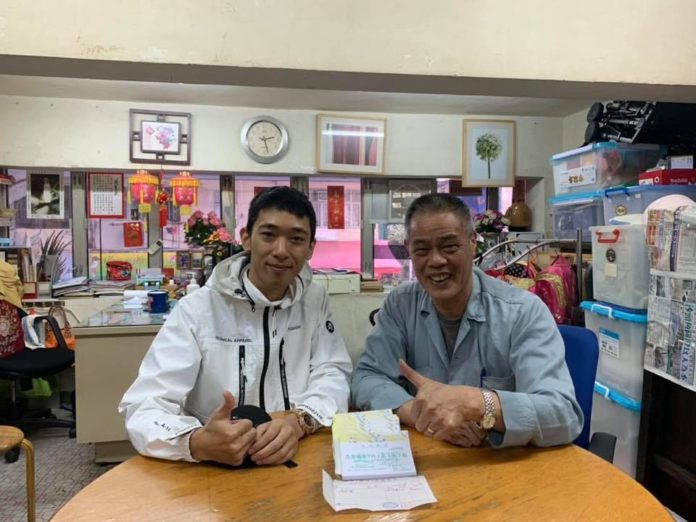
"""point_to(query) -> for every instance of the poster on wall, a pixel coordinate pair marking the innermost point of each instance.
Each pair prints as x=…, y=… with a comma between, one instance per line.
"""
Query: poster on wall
x=45, y=198
x=335, y=207
x=105, y=195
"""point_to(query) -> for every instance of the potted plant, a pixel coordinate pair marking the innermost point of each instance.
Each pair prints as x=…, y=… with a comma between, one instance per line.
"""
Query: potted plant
x=51, y=263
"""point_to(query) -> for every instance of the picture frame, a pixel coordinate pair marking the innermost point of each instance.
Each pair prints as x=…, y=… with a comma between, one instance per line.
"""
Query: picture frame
x=45, y=195
x=106, y=197
x=197, y=258
x=488, y=153
x=160, y=136
x=352, y=145
x=183, y=259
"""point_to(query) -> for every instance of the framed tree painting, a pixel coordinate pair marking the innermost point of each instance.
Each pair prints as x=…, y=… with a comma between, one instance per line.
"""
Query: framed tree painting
x=488, y=153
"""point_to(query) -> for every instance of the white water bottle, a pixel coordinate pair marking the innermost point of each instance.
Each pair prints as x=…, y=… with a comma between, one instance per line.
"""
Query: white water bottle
x=192, y=286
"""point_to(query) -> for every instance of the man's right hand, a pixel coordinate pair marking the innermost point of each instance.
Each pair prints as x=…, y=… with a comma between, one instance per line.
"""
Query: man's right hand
x=221, y=439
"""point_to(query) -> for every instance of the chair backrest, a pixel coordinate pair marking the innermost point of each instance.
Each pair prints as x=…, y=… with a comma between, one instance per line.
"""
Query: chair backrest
x=581, y=355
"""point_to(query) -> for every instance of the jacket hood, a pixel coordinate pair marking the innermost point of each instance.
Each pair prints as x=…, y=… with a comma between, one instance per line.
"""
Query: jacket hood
x=227, y=279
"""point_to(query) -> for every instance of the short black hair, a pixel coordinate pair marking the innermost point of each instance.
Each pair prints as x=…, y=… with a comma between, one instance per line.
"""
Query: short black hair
x=436, y=203
x=285, y=199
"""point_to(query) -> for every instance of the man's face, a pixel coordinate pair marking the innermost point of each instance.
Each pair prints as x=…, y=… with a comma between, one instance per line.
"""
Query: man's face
x=442, y=250
x=280, y=245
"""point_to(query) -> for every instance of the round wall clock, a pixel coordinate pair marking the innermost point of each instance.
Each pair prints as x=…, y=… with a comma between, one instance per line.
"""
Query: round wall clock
x=264, y=139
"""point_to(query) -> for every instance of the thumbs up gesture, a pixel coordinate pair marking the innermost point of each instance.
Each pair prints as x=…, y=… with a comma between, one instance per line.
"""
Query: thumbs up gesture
x=221, y=439
x=443, y=411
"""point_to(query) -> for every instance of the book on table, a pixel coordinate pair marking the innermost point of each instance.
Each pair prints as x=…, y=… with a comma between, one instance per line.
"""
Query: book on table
x=371, y=445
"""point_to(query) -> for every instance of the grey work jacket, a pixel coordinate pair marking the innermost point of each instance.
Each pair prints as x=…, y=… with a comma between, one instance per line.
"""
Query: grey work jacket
x=507, y=342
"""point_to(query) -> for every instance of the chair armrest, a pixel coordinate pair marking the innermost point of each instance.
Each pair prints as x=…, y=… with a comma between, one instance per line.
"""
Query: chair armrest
x=53, y=325
x=603, y=444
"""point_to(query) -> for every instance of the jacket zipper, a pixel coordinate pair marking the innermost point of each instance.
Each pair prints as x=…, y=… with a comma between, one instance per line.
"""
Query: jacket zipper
x=283, y=378
x=242, y=375
x=266, y=355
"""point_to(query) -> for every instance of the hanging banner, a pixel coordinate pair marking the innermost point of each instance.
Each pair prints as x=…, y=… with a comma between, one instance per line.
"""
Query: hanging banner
x=258, y=190
x=133, y=234
x=335, y=207
x=105, y=196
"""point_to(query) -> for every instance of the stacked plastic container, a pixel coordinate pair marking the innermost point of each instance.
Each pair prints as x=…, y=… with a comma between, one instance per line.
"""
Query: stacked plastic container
x=582, y=177
x=621, y=273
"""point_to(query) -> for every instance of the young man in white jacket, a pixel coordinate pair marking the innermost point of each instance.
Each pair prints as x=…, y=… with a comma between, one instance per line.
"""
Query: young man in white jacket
x=260, y=333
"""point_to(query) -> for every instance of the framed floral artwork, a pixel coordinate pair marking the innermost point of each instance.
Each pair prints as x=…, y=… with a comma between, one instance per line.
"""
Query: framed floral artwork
x=160, y=137
x=488, y=153
x=350, y=145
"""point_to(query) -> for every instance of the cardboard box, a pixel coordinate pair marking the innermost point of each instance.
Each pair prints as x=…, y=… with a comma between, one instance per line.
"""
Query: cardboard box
x=668, y=177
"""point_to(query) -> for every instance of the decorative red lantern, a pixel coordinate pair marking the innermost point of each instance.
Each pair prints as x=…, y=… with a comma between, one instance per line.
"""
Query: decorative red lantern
x=143, y=188
x=185, y=191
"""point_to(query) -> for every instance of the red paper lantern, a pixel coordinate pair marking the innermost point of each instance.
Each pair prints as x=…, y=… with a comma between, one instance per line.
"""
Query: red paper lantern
x=185, y=191
x=143, y=189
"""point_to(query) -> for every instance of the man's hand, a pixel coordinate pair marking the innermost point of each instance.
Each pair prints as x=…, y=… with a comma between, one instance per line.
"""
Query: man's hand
x=467, y=435
x=276, y=441
x=441, y=409
x=221, y=439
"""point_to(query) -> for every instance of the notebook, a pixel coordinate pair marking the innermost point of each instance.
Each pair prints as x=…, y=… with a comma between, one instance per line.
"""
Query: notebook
x=371, y=445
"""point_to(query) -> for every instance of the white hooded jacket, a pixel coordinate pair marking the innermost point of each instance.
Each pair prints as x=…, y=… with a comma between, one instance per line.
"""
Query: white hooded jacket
x=226, y=336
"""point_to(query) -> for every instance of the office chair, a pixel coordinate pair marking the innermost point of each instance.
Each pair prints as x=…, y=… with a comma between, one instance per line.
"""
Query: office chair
x=30, y=364
x=581, y=355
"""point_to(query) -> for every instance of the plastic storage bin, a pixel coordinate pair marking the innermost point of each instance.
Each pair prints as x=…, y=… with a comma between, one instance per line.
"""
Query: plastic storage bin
x=602, y=165
x=620, y=266
x=621, y=337
x=572, y=211
x=614, y=413
x=634, y=200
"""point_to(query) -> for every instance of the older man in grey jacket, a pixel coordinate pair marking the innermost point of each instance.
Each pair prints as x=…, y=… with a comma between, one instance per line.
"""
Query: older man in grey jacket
x=461, y=356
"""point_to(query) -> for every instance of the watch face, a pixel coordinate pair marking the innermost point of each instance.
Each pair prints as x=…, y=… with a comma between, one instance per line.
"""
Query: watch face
x=265, y=139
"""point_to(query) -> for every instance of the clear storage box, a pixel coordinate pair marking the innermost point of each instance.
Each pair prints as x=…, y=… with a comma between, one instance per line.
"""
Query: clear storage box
x=621, y=337
x=602, y=165
x=620, y=266
x=614, y=413
x=634, y=200
x=572, y=211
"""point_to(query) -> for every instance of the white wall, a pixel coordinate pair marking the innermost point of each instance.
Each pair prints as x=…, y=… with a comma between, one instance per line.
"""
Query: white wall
x=560, y=40
x=574, y=130
x=83, y=134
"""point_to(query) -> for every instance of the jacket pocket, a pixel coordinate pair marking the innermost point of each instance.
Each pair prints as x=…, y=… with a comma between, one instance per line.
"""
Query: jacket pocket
x=499, y=383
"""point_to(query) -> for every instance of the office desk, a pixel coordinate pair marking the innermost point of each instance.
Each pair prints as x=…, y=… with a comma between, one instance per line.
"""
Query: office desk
x=565, y=483
x=111, y=345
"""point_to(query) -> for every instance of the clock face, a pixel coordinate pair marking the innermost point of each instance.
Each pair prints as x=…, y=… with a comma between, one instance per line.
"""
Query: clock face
x=264, y=139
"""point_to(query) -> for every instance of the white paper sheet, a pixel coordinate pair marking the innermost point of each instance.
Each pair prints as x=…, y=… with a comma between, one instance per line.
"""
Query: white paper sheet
x=377, y=495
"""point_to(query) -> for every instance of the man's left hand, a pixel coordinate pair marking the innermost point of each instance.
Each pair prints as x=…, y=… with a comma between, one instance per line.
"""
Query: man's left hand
x=442, y=408
x=276, y=441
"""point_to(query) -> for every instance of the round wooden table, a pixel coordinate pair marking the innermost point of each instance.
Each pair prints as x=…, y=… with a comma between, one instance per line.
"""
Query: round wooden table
x=564, y=483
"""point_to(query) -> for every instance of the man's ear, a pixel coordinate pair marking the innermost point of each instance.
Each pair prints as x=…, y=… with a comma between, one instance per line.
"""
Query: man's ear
x=246, y=239
x=312, y=244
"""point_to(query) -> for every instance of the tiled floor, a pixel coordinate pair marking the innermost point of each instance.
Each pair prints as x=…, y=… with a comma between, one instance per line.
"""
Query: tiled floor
x=63, y=467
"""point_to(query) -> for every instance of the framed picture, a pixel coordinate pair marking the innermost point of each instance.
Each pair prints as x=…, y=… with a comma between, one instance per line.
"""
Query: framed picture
x=105, y=195
x=183, y=259
x=488, y=158
x=160, y=136
x=197, y=258
x=350, y=145
x=45, y=198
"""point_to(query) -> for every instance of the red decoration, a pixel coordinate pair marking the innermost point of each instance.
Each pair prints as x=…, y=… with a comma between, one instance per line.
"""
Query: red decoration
x=185, y=191
x=133, y=234
x=162, y=200
x=336, y=206
x=143, y=189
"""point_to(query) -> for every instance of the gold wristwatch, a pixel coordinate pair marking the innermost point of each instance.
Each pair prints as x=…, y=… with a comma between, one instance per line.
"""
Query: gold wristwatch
x=488, y=420
x=308, y=423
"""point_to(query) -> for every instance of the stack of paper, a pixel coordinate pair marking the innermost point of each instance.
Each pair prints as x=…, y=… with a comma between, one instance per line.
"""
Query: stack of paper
x=371, y=445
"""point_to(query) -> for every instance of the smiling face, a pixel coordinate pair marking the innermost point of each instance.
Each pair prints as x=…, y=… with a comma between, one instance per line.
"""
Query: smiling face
x=442, y=249
x=280, y=245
